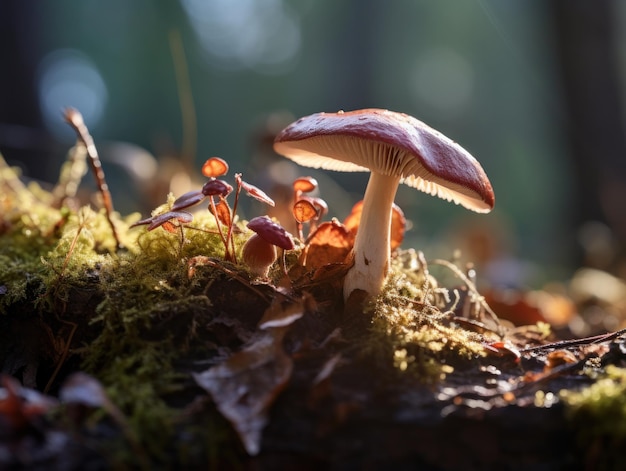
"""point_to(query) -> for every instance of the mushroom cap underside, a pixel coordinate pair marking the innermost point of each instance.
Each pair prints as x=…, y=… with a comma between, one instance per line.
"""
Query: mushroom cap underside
x=389, y=143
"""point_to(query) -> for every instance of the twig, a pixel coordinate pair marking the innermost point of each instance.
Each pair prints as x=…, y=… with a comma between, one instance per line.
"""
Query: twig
x=229, y=236
x=219, y=229
x=75, y=120
x=575, y=342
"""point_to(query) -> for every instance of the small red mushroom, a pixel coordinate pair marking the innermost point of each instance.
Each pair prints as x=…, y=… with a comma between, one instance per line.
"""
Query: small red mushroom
x=214, y=167
x=259, y=252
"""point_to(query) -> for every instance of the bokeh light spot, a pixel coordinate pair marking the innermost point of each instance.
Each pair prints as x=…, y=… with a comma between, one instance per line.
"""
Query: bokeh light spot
x=69, y=78
x=262, y=35
x=443, y=80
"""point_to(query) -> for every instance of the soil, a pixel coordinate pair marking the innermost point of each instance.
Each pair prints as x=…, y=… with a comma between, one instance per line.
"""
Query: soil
x=339, y=408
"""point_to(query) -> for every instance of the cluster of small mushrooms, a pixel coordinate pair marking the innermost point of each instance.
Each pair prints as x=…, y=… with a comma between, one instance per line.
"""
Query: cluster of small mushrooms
x=395, y=148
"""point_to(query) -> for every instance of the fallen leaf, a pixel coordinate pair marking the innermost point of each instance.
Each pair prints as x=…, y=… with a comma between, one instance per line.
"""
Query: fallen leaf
x=327, y=369
x=283, y=313
x=330, y=243
x=80, y=388
x=559, y=358
x=514, y=306
x=398, y=223
x=247, y=384
x=20, y=405
x=503, y=349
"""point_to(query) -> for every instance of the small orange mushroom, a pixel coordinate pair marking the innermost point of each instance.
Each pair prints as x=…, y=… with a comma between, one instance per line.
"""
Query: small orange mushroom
x=214, y=167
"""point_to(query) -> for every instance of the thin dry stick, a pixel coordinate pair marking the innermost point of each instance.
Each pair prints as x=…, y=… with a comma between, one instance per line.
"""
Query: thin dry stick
x=229, y=236
x=576, y=342
x=219, y=229
x=75, y=119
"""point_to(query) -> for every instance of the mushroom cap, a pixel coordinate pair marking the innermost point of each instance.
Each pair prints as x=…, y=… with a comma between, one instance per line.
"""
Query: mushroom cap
x=216, y=187
x=271, y=232
x=389, y=143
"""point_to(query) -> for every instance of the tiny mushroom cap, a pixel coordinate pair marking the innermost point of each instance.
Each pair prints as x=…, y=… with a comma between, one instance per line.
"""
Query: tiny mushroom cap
x=304, y=184
x=216, y=187
x=214, y=167
x=273, y=233
x=395, y=148
x=259, y=251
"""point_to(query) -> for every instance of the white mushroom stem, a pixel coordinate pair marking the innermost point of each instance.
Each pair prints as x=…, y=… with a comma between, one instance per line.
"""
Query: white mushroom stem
x=372, y=243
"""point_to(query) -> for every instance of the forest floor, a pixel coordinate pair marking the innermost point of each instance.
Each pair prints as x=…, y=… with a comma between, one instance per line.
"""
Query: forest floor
x=161, y=349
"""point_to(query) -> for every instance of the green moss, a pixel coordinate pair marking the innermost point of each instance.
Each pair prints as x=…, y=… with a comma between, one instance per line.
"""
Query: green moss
x=49, y=255
x=411, y=329
x=598, y=415
x=26, y=238
x=146, y=305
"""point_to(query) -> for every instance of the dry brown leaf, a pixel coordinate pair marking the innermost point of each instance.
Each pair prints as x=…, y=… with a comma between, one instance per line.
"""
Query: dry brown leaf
x=82, y=389
x=558, y=358
x=19, y=405
x=353, y=219
x=398, y=223
x=330, y=243
x=398, y=227
x=223, y=212
x=514, y=307
x=246, y=385
x=282, y=314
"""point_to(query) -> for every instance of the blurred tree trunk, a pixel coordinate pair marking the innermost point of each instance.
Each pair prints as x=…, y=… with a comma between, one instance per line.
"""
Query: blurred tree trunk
x=353, y=54
x=584, y=34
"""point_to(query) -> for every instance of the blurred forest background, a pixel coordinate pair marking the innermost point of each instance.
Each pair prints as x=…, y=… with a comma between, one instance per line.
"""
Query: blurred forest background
x=533, y=89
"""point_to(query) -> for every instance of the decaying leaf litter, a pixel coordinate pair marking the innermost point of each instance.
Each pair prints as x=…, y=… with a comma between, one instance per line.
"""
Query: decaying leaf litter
x=154, y=347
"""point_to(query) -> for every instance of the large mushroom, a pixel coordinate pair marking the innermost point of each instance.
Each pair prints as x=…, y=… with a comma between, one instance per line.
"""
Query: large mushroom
x=396, y=148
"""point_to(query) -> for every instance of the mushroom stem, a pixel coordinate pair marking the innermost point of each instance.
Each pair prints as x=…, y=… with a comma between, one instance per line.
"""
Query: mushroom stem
x=371, y=249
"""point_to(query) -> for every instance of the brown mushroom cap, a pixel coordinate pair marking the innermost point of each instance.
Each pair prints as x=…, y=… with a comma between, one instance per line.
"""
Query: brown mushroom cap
x=389, y=143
